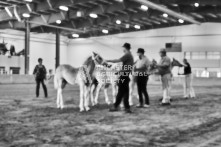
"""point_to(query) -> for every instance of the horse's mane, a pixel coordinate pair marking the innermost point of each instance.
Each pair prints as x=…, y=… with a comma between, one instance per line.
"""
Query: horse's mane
x=89, y=62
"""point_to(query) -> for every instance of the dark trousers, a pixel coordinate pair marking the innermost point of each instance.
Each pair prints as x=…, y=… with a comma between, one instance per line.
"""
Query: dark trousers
x=123, y=92
x=142, y=89
x=38, y=82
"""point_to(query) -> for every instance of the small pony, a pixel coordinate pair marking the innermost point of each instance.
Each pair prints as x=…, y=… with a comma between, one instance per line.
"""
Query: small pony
x=83, y=76
x=105, y=76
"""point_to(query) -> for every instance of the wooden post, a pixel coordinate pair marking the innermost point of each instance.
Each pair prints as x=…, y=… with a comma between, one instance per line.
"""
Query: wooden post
x=27, y=46
x=57, y=53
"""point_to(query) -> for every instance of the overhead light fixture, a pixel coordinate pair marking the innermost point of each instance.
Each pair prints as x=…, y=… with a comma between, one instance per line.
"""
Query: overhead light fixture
x=58, y=21
x=127, y=26
x=181, y=21
x=75, y=35
x=137, y=27
x=119, y=0
x=26, y=15
x=93, y=15
x=165, y=15
x=196, y=4
x=64, y=8
x=118, y=22
x=145, y=8
x=28, y=0
x=79, y=14
x=105, y=31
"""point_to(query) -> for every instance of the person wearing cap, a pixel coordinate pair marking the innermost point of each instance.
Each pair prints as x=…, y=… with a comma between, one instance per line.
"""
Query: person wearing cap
x=187, y=85
x=123, y=84
x=164, y=69
x=40, y=73
x=140, y=68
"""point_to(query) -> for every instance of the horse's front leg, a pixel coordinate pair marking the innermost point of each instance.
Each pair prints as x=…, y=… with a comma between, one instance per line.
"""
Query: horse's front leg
x=114, y=90
x=106, y=95
x=97, y=92
x=61, y=98
x=81, y=105
x=92, y=94
x=86, y=97
x=131, y=89
x=58, y=99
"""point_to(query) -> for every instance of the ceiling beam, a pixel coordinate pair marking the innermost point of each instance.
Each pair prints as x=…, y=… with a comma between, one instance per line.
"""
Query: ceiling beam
x=57, y=27
x=168, y=11
x=187, y=2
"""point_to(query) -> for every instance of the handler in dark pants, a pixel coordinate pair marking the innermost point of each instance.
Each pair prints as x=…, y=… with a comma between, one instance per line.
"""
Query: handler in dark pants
x=123, y=84
x=141, y=68
x=40, y=75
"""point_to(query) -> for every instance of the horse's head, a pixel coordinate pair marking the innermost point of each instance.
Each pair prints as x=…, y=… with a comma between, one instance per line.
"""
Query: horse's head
x=176, y=63
x=98, y=59
x=153, y=64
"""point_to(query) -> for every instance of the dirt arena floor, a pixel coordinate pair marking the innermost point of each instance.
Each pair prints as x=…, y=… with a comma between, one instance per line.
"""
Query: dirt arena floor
x=27, y=121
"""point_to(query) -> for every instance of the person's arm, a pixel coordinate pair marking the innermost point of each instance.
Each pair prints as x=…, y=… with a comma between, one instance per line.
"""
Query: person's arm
x=185, y=65
x=35, y=70
x=114, y=61
x=122, y=59
x=45, y=70
x=164, y=65
x=140, y=69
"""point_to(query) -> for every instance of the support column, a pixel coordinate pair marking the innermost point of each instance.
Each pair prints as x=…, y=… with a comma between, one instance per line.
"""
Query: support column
x=57, y=52
x=27, y=47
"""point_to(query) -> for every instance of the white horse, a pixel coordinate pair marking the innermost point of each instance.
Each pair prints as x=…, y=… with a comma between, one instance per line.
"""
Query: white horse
x=105, y=76
x=82, y=76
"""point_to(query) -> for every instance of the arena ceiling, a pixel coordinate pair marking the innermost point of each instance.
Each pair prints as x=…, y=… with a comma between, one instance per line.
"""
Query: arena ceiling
x=87, y=18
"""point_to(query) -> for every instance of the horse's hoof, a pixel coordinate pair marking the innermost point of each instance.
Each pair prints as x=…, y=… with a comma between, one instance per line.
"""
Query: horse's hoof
x=108, y=102
x=93, y=103
x=87, y=109
x=81, y=110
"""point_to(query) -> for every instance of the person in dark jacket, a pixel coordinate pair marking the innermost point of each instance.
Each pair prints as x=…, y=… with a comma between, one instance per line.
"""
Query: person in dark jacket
x=123, y=84
x=187, y=85
x=40, y=75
